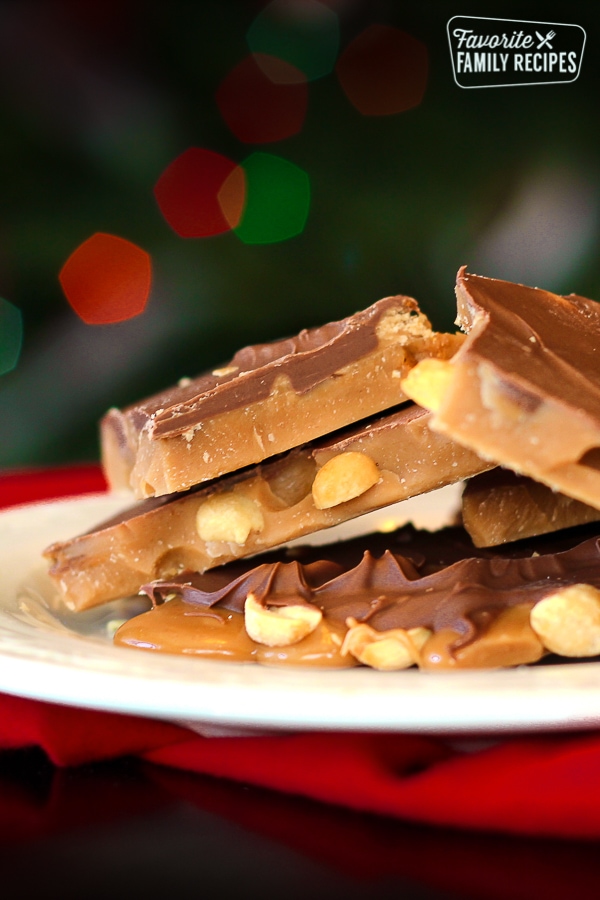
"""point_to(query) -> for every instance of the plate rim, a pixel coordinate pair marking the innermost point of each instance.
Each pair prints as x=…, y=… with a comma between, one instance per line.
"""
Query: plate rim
x=40, y=665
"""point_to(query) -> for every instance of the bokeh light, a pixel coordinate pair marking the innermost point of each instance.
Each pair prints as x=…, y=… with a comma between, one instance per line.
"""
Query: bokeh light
x=107, y=279
x=232, y=196
x=263, y=99
x=277, y=201
x=11, y=336
x=187, y=193
x=303, y=32
x=383, y=71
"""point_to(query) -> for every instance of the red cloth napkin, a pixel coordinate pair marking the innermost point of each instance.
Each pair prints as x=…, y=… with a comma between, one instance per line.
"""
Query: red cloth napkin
x=545, y=785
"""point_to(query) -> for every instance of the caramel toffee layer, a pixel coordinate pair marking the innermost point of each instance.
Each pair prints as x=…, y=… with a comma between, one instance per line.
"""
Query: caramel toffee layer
x=523, y=391
x=460, y=599
x=268, y=399
x=499, y=507
x=159, y=537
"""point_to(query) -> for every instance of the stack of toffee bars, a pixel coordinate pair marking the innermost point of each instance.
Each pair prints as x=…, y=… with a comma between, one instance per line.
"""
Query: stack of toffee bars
x=298, y=435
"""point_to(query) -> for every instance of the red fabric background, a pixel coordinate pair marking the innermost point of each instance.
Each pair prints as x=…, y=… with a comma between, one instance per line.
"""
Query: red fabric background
x=545, y=785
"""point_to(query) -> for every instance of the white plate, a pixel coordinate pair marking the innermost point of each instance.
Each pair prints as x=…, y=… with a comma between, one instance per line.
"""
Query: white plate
x=70, y=659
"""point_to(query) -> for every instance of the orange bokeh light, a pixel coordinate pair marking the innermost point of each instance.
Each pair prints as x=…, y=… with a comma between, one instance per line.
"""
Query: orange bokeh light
x=107, y=279
x=232, y=196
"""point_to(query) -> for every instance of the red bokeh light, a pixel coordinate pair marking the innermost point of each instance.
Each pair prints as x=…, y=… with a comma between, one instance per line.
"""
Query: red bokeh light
x=384, y=71
x=107, y=279
x=263, y=99
x=187, y=193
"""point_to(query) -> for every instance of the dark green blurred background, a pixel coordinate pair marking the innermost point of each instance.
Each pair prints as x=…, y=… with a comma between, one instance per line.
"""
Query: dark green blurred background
x=97, y=98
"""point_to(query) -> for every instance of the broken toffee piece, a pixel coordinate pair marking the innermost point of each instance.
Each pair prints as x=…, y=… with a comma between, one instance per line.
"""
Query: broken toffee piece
x=261, y=508
x=268, y=399
x=499, y=507
x=486, y=611
x=524, y=389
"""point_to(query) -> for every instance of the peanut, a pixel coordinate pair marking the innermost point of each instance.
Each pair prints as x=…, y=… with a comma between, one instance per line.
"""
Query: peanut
x=291, y=481
x=342, y=478
x=390, y=650
x=228, y=517
x=427, y=382
x=279, y=626
x=568, y=621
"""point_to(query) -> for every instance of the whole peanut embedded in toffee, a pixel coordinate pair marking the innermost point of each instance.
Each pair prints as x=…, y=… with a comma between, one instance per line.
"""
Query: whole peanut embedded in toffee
x=259, y=509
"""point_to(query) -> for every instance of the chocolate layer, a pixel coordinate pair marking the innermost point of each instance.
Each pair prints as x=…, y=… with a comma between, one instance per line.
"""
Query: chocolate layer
x=524, y=389
x=307, y=360
x=387, y=591
x=546, y=345
x=268, y=399
x=461, y=601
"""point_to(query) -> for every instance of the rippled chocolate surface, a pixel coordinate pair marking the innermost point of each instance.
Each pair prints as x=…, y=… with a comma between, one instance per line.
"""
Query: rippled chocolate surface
x=390, y=590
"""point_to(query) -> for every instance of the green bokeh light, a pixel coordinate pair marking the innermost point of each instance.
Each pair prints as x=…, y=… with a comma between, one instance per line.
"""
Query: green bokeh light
x=11, y=336
x=277, y=200
x=306, y=35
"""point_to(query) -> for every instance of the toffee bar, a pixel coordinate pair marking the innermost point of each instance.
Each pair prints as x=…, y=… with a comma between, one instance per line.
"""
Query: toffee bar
x=259, y=509
x=524, y=389
x=499, y=507
x=268, y=399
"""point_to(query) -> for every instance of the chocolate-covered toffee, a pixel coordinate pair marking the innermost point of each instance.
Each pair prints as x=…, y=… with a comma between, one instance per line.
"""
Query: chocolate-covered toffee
x=268, y=399
x=499, y=507
x=523, y=391
x=266, y=449
x=203, y=528
x=476, y=609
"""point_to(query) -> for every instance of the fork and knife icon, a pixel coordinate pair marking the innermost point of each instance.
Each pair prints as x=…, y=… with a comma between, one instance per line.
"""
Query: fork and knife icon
x=545, y=41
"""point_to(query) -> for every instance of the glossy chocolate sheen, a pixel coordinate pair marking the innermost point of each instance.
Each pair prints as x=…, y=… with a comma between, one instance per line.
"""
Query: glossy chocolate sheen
x=549, y=343
x=306, y=359
x=269, y=399
x=389, y=591
x=523, y=390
